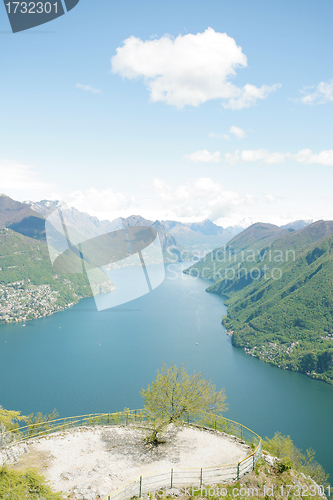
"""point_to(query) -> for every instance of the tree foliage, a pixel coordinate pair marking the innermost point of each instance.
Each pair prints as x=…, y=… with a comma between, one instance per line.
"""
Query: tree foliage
x=175, y=395
x=39, y=418
x=9, y=419
x=283, y=448
x=28, y=485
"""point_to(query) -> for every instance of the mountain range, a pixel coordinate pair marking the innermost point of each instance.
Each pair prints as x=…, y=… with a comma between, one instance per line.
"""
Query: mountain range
x=80, y=224
x=201, y=236
x=24, y=253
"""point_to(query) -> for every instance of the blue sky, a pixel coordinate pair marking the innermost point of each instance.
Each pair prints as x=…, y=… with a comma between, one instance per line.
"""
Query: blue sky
x=148, y=108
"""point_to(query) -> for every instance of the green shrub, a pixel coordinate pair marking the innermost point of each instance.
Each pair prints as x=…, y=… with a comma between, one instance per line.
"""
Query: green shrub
x=27, y=485
x=283, y=448
x=284, y=464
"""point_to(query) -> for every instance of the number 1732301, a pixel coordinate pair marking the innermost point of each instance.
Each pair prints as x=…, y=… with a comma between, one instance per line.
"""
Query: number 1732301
x=32, y=7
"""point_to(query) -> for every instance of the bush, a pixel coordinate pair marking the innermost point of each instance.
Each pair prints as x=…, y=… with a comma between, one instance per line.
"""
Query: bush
x=284, y=464
x=283, y=448
x=27, y=485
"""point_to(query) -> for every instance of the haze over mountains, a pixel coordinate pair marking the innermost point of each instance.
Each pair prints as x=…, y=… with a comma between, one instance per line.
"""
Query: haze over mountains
x=28, y=218
x=80, y=223
x=203, y=236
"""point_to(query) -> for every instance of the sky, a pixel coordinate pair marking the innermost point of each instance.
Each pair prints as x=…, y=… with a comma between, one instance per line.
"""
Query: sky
x=173, y=110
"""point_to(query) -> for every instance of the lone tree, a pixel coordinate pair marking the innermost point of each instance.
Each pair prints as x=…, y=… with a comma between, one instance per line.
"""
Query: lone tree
x=175, y=395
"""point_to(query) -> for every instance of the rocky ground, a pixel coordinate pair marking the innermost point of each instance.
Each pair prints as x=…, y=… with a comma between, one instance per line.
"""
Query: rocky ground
x=90, y=463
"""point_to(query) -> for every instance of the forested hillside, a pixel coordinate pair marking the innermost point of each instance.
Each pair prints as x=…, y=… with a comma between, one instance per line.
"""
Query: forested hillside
x=279, y=291
x=29, y=288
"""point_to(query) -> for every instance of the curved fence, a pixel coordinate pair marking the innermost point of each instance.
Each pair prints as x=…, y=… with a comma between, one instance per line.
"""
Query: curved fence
x=171, y=478
x=40, y=429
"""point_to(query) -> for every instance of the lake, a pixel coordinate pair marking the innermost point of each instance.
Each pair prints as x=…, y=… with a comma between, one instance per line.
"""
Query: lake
x=82, y=361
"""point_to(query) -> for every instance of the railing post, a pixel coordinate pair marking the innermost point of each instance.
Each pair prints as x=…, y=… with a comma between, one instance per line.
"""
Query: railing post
x=238, y=471
x=171, y=478
x=140, y=491
x=200, y=478
x=254, y=461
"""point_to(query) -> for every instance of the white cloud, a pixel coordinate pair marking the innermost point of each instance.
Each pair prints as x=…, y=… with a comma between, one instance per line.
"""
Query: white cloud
x=101, y=203
x=250, y=199
x=197, y=198
x=237, y=132
x=323, y=93
x=270, y=197
x=188, y=200
x=18, y=176
x=322, y=158
x=226, y=137
x=88, y=88
x=254, y=155
x=204, y=156
x=248, y=96
x=188, y=70
x=305, y=156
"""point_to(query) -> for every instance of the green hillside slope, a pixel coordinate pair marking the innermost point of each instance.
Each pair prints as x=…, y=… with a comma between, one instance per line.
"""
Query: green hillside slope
x=279, y=296
x=28, y=286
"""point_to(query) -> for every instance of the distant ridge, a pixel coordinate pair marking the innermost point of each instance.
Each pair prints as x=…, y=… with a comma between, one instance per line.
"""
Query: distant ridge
x=297, y=224
x=81, y=223
x=21, y=218
x=12, y=211
x=257, y=234
x=203, y=235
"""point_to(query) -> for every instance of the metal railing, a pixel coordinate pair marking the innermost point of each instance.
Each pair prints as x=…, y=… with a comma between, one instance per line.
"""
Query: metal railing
x=171, y=478
x=40, y=429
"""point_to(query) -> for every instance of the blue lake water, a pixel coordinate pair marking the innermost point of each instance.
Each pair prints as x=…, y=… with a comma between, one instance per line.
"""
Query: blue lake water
x=83, y=361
